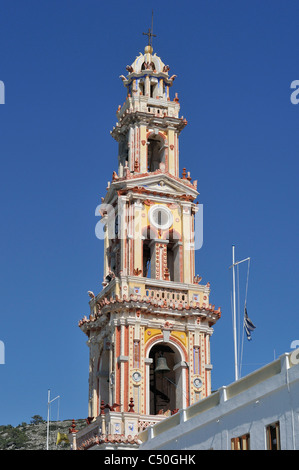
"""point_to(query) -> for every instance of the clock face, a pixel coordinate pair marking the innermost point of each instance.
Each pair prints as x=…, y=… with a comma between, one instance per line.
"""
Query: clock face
x=160, y=217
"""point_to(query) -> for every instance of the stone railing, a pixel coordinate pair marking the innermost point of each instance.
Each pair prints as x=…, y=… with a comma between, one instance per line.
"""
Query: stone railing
x=87, y=433
x=124, y=425
x=166, y=294
x=145, y=421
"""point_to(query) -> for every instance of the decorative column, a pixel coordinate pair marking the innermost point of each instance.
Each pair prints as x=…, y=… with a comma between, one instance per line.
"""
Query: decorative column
x=123, y=229
x=147, y=363
x=123, y=365
x=147, y=86
x=187, y=248
x=93, y=361
x=143, y=149
x=159, y=258
x=131, y=149
x=171, y=151
x=106, y=246
x=138, y=261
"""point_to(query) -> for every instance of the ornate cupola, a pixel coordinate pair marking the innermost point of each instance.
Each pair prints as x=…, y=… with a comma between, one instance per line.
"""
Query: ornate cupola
x=148, y=122
x=149, y=328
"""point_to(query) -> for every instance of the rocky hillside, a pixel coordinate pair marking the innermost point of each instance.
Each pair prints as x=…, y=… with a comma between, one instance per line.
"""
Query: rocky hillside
x=33, y=436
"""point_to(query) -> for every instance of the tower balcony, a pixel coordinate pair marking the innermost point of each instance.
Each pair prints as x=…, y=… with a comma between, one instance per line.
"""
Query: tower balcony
x=158, y=291
x=114, y=430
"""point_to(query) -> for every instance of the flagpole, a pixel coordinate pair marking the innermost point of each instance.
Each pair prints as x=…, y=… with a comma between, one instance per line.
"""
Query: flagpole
x=48, y=420
x=234, y=316
x=234, y=263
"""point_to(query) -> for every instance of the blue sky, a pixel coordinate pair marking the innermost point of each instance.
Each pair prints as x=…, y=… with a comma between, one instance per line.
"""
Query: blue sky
x=60, y=62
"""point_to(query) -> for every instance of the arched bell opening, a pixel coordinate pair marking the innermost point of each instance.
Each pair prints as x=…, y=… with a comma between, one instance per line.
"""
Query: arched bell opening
x=155, y=152
x=173, y=255
x=123, y=156
x=165, y=387
x=148, y=66
x=148, y=234
x=147, y=254
x=141, y=87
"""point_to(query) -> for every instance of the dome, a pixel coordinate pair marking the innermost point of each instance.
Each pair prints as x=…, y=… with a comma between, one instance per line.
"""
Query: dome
x=148, y=61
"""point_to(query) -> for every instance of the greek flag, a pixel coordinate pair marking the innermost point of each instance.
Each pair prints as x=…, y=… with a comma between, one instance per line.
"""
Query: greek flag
x=248, y=325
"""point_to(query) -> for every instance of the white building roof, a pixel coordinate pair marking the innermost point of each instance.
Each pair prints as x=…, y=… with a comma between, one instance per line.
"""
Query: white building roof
x=247, y=406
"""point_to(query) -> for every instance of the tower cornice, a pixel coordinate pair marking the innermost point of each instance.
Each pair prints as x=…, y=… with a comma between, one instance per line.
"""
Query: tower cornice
x=151, y=307
x=144, y=73
x=132, y=118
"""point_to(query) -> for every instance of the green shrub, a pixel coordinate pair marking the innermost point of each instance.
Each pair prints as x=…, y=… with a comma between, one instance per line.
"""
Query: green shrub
x=12, y=437
x=36, y=419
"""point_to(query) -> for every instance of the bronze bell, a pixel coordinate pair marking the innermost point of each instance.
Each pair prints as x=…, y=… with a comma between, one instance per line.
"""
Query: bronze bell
x=162, y=365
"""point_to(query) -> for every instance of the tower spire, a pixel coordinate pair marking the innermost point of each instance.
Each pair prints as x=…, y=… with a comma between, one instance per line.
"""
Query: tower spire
x=150, y=32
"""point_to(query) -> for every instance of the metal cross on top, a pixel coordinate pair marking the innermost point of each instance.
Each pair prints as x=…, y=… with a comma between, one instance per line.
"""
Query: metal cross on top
x=150, y=33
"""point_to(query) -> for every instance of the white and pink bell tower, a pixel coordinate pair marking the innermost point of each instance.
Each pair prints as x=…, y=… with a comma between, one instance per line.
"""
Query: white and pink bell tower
x=149, y=328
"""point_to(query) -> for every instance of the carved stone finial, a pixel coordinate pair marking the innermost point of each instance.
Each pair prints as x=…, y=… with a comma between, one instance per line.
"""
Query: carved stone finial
x=131, y=406
x=73, y=428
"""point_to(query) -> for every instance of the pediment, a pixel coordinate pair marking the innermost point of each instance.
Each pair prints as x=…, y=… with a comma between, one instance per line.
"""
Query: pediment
x=163, y=183
x=164, y=186
x=152, y=184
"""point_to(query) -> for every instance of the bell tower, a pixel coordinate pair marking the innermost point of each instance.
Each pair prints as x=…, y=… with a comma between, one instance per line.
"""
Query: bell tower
x=149, y=328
